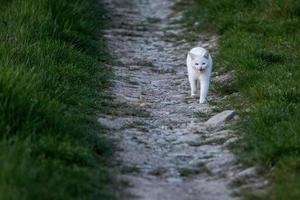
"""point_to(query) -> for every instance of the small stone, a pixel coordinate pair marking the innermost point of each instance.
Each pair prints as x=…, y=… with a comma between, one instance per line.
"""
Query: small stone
x=171, y=138
x=141, y=97
x=174, y=180
x=134, y=67
x=236, y=118
x=244, y=175
x=143, y=105
x=224, y=78
x=158, y=171
x=182, y=158
x=230, y=141
x=109, y=123
x=247, y=172
x=220, y=118
x=188, y=138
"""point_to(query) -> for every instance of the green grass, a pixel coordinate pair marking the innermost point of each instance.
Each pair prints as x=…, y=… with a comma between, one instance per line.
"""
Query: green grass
x=52, y=81
x=260, y=41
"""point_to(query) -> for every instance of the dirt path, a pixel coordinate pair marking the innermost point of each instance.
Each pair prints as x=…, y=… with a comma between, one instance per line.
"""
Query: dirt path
x=170, y=154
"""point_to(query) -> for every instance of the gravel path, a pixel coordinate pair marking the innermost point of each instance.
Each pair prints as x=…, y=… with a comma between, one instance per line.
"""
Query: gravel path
x=170, y=154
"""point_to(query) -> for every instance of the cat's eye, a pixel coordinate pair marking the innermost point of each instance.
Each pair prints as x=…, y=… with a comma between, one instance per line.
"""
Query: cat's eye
x=203, y=63
x=196, y=63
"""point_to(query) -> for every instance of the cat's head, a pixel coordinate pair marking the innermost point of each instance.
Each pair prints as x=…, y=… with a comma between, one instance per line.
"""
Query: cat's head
x=200, y=62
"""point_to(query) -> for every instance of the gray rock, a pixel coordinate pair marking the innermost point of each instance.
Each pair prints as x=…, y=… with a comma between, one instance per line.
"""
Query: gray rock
x=220, y=118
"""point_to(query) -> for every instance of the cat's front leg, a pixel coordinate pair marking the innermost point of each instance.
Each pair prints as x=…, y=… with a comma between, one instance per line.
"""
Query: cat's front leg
x=204, y=85
x=193, y=84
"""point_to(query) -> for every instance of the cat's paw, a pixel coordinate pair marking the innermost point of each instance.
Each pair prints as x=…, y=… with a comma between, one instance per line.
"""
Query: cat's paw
x=193, y=95
x=202, y=101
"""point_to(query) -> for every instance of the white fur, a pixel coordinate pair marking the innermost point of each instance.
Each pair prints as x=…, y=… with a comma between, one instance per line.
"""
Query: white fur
x=199, y=66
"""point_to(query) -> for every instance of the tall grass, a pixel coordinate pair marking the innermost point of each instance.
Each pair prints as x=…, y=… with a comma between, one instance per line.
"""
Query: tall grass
x=260, y=41
x=52, y=81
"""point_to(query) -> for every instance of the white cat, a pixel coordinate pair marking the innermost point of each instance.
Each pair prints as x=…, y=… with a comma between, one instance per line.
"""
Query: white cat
x=199, y=66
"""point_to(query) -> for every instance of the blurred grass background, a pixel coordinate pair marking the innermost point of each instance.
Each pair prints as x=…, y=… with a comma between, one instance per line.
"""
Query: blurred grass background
x=52, y=81
x=260, y=41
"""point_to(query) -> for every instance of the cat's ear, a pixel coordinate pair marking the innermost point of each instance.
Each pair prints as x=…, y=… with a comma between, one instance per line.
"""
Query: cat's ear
x=206, y=55
x=193, y=56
